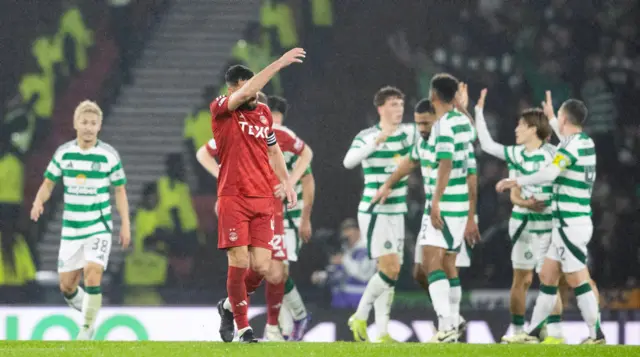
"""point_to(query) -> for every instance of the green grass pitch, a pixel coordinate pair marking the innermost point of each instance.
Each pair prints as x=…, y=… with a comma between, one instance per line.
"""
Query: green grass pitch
x=337, y=349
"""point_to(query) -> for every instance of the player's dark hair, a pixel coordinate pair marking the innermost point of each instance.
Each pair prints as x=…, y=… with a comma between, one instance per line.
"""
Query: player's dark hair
x=445, y=86
x=236, y=74
x=278, y=104
x=386, y=93
x=262, y=98
x=424, y=106
x=575, y=111
x=535, y=117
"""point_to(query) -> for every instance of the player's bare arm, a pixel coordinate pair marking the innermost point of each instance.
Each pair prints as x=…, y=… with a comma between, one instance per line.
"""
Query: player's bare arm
x=487, y=143
x=444, y=172
x=404, y=168
x=308, y=196
x=531, y=203
x=207, y=161
x=43, y=195
x=276, y=159
x=122, y=205
x=471, y=232
x=301, y=165
x=257, y=82
x=462, y=100
x=547, y=107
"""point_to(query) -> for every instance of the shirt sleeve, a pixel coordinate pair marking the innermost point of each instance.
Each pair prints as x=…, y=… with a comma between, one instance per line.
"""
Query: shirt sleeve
x=567, y=155
x=220, y=108
x=54, y=171
x=211, y=147
x=510, y=156
x=117, y=176
x=289, y=142
x=359, y=150
x=445, y=146
x=472, y=165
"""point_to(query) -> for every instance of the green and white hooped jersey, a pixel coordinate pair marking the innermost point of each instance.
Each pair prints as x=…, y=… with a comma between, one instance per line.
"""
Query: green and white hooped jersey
x=86, y=178
x=381, y=164
x=292, y=216
x=425, y=154
x=521, y=163
x=576, y=157
x=452, y=138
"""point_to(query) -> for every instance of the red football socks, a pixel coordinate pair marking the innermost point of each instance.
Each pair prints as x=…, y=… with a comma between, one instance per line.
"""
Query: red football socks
x=275, y=294
x=237, y=291
x=252, y=280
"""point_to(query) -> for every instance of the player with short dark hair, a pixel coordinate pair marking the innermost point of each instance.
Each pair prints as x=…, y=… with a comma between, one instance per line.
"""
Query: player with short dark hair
x=246, y=145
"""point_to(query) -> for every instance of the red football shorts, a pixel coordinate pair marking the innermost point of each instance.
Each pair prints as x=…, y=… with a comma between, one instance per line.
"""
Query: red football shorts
x=278, y=249
x=245, y=221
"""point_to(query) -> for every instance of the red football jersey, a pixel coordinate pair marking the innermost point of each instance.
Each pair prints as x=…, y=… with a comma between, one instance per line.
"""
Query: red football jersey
x=287, y=140
x=241, y=139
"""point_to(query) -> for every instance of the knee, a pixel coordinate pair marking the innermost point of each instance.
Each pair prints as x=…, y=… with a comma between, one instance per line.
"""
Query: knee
x=93, y=275
x=390, y=268
x=261, y=266
x=522, y=281
x=547, y=278
x=238, y=257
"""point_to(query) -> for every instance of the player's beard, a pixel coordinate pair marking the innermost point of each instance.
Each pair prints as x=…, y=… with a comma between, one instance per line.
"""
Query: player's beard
x=425, y=135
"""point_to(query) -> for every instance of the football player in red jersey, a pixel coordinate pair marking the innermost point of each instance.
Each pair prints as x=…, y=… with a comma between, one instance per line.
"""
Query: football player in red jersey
x=291, y=144
x=248, y=152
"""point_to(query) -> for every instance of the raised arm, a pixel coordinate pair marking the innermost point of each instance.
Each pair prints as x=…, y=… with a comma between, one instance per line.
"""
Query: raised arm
x=255, y=84
x=486, y=141
x=547, y=106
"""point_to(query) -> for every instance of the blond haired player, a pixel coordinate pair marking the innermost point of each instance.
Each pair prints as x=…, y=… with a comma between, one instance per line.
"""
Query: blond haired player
x=87, y=168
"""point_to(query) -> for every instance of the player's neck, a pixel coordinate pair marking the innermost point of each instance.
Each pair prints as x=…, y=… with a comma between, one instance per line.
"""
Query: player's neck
x=442, y=109
x=86, y=145
x=570, y=130
x=533, y=145
x=387, y=125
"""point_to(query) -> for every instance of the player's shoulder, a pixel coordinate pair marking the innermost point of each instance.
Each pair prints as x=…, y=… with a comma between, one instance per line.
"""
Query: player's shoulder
x=108, y=150
x=70, y=145
x=283, y=129
x=217, y=102
x=372, y=130
x=548, y=150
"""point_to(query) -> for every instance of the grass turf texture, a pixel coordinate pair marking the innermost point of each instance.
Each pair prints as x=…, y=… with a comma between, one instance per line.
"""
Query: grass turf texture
x=338, y=349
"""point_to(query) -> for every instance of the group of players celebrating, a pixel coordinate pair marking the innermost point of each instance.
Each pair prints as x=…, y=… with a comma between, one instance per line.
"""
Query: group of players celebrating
x=263, y=164
x=550, y=225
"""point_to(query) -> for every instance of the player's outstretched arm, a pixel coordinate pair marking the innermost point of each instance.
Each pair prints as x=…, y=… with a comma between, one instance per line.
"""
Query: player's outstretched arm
x=122, y=205
x=486, y=141
x=547, y=106
x=361, y=148
x=308, y=196
x=547, y=174
x=404, y=168
x=301, y=165
x=206, y=159
x=255, y=84
x=43, y=195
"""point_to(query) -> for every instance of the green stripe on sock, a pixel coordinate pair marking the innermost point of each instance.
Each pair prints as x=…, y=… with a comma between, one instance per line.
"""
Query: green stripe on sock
x=454, y=282
x=436, y=275
x=72, y=295
x=93, y=290
x=387, y=279
x=554, y=319
x=549, y=290
x=517, y=320
x=583, y=289
x=289, y=285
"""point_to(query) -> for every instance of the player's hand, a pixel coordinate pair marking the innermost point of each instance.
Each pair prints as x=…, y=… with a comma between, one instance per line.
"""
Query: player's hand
x=36, y=210
x=536, y=205
x=436, y=219
x=547, y=106
x=336, y=259
x=506, y=184
x=125, y=234
x=471, y=232
x=278, y=192
x=381, y=195
x=384, y=134
x=462, y=96
x=292, y=197
x=305, y=230
x=483, y=96
x=295, y=55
